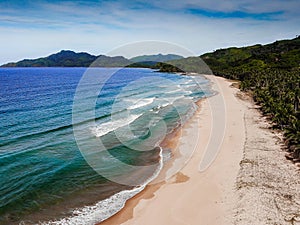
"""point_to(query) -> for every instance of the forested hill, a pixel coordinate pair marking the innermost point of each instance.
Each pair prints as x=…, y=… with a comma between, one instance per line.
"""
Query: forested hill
x=235, y=62
x=271, y=73
x=155, y=58
x=66, y=58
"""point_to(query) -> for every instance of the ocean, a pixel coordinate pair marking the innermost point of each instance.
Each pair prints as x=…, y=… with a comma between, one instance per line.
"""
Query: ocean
x=76, y=143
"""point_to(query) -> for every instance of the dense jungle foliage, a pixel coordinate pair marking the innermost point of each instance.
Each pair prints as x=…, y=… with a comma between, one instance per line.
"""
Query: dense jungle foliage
x=271, y=73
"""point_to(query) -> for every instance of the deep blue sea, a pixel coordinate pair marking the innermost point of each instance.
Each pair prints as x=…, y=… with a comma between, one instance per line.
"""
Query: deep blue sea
x=76, y=143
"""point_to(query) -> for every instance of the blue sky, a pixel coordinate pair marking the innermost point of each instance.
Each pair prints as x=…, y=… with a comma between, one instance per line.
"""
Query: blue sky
x=34, y=28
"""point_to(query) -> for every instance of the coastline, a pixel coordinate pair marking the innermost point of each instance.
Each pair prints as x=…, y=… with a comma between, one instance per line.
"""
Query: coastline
x=266, y=180
x=170, y=145
x=249, y=182
x=201, y=197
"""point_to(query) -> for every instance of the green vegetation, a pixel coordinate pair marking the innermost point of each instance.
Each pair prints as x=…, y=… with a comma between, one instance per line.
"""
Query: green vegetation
x=143, y=64
x=155, y=62
x=155, y=58
x=278, y=93
x=190, y=64
x=236, y=62
x=66, y=58
x=168, y=68
x=271, y=73
x=72, y=59
x=106, y=61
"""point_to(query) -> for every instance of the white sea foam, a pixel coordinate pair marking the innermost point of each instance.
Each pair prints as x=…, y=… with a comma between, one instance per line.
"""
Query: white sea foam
x=188, y=81
x=167, y=102
x=174, y=91
x=164, y=105
x=141, y=103
x=107, y=127
x=89, y=215
x=173, y=99
x=104, y=209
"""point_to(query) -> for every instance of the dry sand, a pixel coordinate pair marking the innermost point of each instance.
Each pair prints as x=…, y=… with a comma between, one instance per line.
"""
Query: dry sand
x=248, y=182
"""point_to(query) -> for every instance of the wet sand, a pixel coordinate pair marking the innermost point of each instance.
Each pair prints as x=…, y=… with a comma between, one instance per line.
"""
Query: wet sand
x=210, y=184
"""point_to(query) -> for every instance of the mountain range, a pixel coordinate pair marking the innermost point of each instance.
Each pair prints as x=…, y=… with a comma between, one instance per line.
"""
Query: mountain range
x=67, y=58
x=280, y=54
x=270, y=73
x=235, y=62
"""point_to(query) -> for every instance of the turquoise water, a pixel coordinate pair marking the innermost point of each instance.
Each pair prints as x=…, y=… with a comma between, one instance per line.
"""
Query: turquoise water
x=45, y=175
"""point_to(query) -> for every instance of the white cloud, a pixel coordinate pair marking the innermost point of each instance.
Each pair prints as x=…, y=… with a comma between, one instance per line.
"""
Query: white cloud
x=251, y=6
x=98, y=29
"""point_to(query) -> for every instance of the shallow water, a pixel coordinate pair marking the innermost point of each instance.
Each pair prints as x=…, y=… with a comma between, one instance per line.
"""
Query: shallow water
x=45, y=175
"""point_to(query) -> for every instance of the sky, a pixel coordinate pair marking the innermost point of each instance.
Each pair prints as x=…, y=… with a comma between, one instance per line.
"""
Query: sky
x=36, y=28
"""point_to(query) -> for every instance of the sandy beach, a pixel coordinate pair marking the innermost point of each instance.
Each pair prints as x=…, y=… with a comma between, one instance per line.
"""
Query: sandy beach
x=243, y=179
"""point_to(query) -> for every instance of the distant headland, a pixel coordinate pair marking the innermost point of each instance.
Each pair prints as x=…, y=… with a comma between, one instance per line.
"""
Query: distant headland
x=67, y=58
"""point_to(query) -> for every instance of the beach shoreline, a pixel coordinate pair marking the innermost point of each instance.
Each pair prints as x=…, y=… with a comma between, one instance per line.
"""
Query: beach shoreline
x=234, y=188
x=170, y=144
x=187, y=178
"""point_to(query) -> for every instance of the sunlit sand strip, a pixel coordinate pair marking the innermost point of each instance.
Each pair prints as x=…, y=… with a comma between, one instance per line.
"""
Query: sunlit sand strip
x=196, y=195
